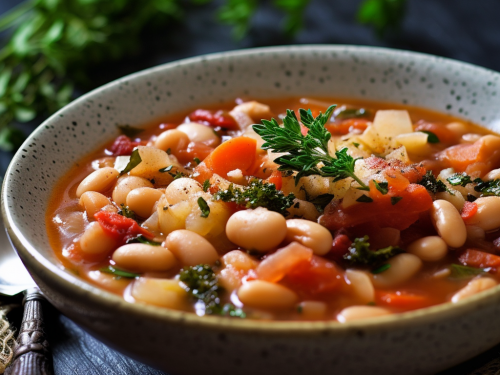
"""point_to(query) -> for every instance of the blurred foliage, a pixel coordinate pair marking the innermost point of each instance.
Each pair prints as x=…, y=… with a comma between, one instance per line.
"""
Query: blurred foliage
x=55, y=44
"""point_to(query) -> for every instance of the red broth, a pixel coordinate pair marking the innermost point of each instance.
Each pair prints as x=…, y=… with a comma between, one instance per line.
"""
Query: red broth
x=196, y=240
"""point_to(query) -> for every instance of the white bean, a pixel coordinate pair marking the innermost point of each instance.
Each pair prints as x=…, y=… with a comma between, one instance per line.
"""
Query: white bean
x=402, y=268
x=141, y=257
x=257, y=111
x=487, y=216
x=160, y=292
x=199, y=133
x=100, y=181
x=266, y=295
x=142, y=200
x=360, y=285
x=429, y=249
x=448, y=223
x=310, y=234
x=258, y=229
x=190, y=248
x=352, y=313
x=126, y=185
x=92, y=202
x=181, y=189
x=173, y=139
x=473, y=287
x=95, y=241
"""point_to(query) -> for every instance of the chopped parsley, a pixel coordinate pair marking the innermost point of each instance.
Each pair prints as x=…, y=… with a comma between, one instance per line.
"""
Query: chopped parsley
x=202, y=284
x=206, y=185
x=319, y=202
x=351, y=113
x=166, y=169
x=205, y=209
x=395, y=200
x=457, y=271
x=129, y=131
x=127, y=212
x=135, y=160
x=382, y=268
x=141, y=239
x=197, y=160
x=364, y=199
x=431, y=137
x=461, y=179
x=432, y=184
x=488, y=188
x=118, y=273
x=383, y=187
x=360, y=253
x=257, y=194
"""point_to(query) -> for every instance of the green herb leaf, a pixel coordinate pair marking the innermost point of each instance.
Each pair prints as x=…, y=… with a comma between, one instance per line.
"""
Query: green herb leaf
x=383, y=187
x=166, y=169
x=351, y=113
x=457, y=271
x=205, y=209
x=382, y=268
x=461, y=179
x=395, y=200
x=118, y=273
x=432, y=184
x=135, y=160
x=129, y=131
x=356, y=144
x=141, y=239
x=360, y=253
x=303, y=154
x=431, y=137
x=257, y=194
x=321, y=201
x=206, y=185
x=127, y=212
x=11, y=138
x=197, y=160
x=488, y=188
x=364, y=199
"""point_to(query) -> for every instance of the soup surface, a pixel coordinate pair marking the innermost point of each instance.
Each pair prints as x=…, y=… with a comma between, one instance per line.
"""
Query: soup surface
x=329, y=213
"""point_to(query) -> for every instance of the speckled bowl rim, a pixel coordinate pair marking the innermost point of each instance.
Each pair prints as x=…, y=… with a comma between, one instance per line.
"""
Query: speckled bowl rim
x=84, y=290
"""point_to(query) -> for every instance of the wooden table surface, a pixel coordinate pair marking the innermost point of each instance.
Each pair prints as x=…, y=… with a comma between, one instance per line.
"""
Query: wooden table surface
x=459, y=29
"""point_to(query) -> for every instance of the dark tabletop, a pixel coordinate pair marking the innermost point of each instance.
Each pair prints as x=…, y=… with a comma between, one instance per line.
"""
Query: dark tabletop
x=461, y=29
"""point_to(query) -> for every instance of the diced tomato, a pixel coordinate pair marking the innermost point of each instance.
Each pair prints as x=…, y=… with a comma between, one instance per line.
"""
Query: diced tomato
x=346, y=126
x=316, y=277
x=275, y=266
x=340, y=246
x=382, y=212
x=444, y=134
x=480, y=259
x=237, y=153
x=469, y=210
x=123, y=145
x=119, y=227
x=194, y=150
x=276, y=178
x=403, y=300
x=214, y=119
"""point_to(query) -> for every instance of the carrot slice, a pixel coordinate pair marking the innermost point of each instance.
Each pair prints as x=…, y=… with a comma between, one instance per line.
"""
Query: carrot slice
x=237, y=153
x=403, y=300
x=479, y=259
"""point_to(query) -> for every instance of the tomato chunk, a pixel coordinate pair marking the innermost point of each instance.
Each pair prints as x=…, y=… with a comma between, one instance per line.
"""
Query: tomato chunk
x=119, y=227
x=123, y=145
x=214, y=118
x=194, y=150
x=480, y=259
x=346, y=126
x=316, y=277
x=469, y=210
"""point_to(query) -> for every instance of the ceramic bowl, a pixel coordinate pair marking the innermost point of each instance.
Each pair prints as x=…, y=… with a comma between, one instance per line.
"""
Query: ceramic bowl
x=424, y=341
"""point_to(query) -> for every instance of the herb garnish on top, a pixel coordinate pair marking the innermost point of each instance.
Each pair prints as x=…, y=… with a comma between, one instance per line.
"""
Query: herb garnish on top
x=306, y=154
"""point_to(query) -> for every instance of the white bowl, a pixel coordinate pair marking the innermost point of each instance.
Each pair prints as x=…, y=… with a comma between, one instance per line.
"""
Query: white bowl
x=424, y=341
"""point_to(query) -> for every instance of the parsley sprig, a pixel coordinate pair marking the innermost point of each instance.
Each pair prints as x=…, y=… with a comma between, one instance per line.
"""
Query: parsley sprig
x=307, y=154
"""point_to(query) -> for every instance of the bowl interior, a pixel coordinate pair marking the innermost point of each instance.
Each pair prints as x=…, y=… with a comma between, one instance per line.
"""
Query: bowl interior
x=329, y=71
